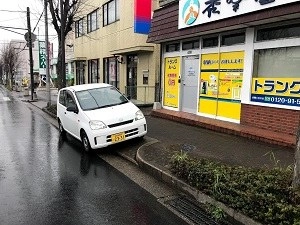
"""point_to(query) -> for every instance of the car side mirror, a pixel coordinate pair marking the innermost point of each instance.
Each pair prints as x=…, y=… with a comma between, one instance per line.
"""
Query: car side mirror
x=72, y=109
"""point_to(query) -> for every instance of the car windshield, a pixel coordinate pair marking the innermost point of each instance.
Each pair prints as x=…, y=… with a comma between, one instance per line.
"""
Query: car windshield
x=100, y=98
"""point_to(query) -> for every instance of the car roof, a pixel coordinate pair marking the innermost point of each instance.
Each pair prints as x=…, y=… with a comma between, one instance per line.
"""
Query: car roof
x=86, y=86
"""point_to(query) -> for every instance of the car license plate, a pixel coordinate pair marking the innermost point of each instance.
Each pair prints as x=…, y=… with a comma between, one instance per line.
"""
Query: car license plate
x=118, y=137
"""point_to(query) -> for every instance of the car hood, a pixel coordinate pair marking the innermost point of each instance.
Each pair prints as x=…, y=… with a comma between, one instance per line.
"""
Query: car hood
x=113, y=114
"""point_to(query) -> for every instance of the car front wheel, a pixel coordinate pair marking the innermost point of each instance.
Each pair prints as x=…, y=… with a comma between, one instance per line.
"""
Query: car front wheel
x=85, y=142
x=61, y=128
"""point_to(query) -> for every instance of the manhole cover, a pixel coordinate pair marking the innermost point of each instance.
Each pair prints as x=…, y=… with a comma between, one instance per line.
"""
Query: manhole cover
x=187, y=147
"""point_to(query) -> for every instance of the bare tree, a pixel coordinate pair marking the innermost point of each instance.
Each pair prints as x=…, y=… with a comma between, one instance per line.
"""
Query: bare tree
x=1, y=71
x=10, y=60
x=69, y=9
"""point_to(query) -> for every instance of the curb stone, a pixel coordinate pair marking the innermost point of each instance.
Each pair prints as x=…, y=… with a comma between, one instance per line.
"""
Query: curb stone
x=167, y=177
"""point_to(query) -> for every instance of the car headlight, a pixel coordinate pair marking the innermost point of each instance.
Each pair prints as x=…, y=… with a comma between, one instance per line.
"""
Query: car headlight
x=139, y=115
x=97, y=125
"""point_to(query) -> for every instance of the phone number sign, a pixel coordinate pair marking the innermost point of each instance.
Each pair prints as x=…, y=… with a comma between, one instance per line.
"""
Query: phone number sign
x=281, y=91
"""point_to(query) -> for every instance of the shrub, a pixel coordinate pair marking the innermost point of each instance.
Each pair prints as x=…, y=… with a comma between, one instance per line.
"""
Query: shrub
x=265, y=195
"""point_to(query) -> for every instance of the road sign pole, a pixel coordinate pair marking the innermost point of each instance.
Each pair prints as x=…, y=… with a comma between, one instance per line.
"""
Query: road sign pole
x=30, y=52
x=47, y=54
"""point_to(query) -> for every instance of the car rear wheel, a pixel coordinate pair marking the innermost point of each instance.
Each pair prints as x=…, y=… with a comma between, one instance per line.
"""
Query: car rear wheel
x=61, y=128
x=85, y=142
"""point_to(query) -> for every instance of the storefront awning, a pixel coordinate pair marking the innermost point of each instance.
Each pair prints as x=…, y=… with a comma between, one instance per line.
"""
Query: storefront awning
x=136, y=49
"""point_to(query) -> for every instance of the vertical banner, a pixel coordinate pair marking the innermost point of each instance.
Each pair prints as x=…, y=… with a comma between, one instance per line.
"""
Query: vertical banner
x=230, y=84
x=171, y=90
x=142, y=16
x=209, y=76
x=42, y=57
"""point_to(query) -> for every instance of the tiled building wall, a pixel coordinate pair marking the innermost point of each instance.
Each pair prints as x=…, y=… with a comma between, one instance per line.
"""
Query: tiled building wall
x=274, y=119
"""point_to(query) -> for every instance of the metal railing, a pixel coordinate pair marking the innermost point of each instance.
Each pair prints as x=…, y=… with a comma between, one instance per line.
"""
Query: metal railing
x=142, y=95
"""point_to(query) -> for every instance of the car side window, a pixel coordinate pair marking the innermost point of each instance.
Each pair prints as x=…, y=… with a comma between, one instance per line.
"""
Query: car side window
x=70, y=100
x=62, y=99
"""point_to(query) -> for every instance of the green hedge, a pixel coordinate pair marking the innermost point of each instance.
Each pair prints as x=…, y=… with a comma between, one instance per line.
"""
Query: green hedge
x=264, y=195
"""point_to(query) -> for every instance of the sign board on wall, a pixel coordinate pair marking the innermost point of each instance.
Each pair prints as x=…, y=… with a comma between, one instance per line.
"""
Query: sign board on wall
x=221, y=82
x=280, y=91
x=142, y=16
x=196, y=12
x=171, y=89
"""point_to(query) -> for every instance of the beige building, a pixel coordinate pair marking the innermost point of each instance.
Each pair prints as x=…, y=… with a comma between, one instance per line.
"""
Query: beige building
x=106, y=49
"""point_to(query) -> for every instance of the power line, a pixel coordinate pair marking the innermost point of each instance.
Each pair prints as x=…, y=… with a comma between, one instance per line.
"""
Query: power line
x=17, y=28
x=38, y=21
x=10, y=30
x=3, y=10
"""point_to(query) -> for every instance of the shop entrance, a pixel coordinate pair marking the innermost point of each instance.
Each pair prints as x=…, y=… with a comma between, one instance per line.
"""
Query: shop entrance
x=132, y=76
x=189, y=84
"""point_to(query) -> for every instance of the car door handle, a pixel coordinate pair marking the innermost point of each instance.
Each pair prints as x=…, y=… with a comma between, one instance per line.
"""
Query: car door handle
x=65, y=112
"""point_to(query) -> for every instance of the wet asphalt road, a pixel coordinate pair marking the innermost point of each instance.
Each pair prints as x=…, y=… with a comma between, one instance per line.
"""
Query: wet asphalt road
x=46, y=180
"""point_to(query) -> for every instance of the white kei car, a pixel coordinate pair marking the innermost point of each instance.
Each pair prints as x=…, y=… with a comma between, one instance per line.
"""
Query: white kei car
x=98, y=115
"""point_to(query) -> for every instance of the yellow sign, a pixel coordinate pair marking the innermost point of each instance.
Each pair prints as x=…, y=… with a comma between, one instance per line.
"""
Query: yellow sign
x=171, y=90
x=231, y=75
x=221, y=81
x=282, y=91
x=209, y=83
x=230, y=84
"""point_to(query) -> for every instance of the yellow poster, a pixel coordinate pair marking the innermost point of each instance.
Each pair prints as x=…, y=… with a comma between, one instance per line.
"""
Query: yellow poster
x=209, y=76
x=230, y=84
x=171, y=90
x=221, y=82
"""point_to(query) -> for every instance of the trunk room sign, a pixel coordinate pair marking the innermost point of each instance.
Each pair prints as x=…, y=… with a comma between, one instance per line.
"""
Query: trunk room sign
x=196, y=12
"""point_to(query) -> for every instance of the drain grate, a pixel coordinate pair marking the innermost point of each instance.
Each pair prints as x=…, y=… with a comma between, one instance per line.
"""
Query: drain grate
x=187, y=147
x=190, y=210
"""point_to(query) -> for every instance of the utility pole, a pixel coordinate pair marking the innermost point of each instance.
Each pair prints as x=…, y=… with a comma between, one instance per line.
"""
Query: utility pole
x=47, y=54
x=30, y=53
x=62, y=43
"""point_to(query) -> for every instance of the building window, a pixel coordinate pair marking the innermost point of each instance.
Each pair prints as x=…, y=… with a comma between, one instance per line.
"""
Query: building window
x=93, y=71
x=80, y=70
x=111, y=12
x=173, y=47
x=190, y=45
x=210, y=42
x=233, y=39
x=278, y=32
x=277, y=63
x=79, y=31
x=92, y=21
x=111, y=71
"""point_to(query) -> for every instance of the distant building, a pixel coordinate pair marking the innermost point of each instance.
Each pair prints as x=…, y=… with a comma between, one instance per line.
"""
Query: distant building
x=110, y=46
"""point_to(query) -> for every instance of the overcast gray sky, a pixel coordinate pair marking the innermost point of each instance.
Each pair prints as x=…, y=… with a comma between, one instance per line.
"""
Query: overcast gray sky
x=13, y=14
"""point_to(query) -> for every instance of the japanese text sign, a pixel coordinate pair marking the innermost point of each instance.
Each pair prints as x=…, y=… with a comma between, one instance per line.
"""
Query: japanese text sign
x=171, y=82
x=42, y=57
x=282, y=91
x=196, y=12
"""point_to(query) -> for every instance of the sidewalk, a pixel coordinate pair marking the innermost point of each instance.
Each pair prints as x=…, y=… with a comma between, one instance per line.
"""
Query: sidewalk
x=154, y=155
